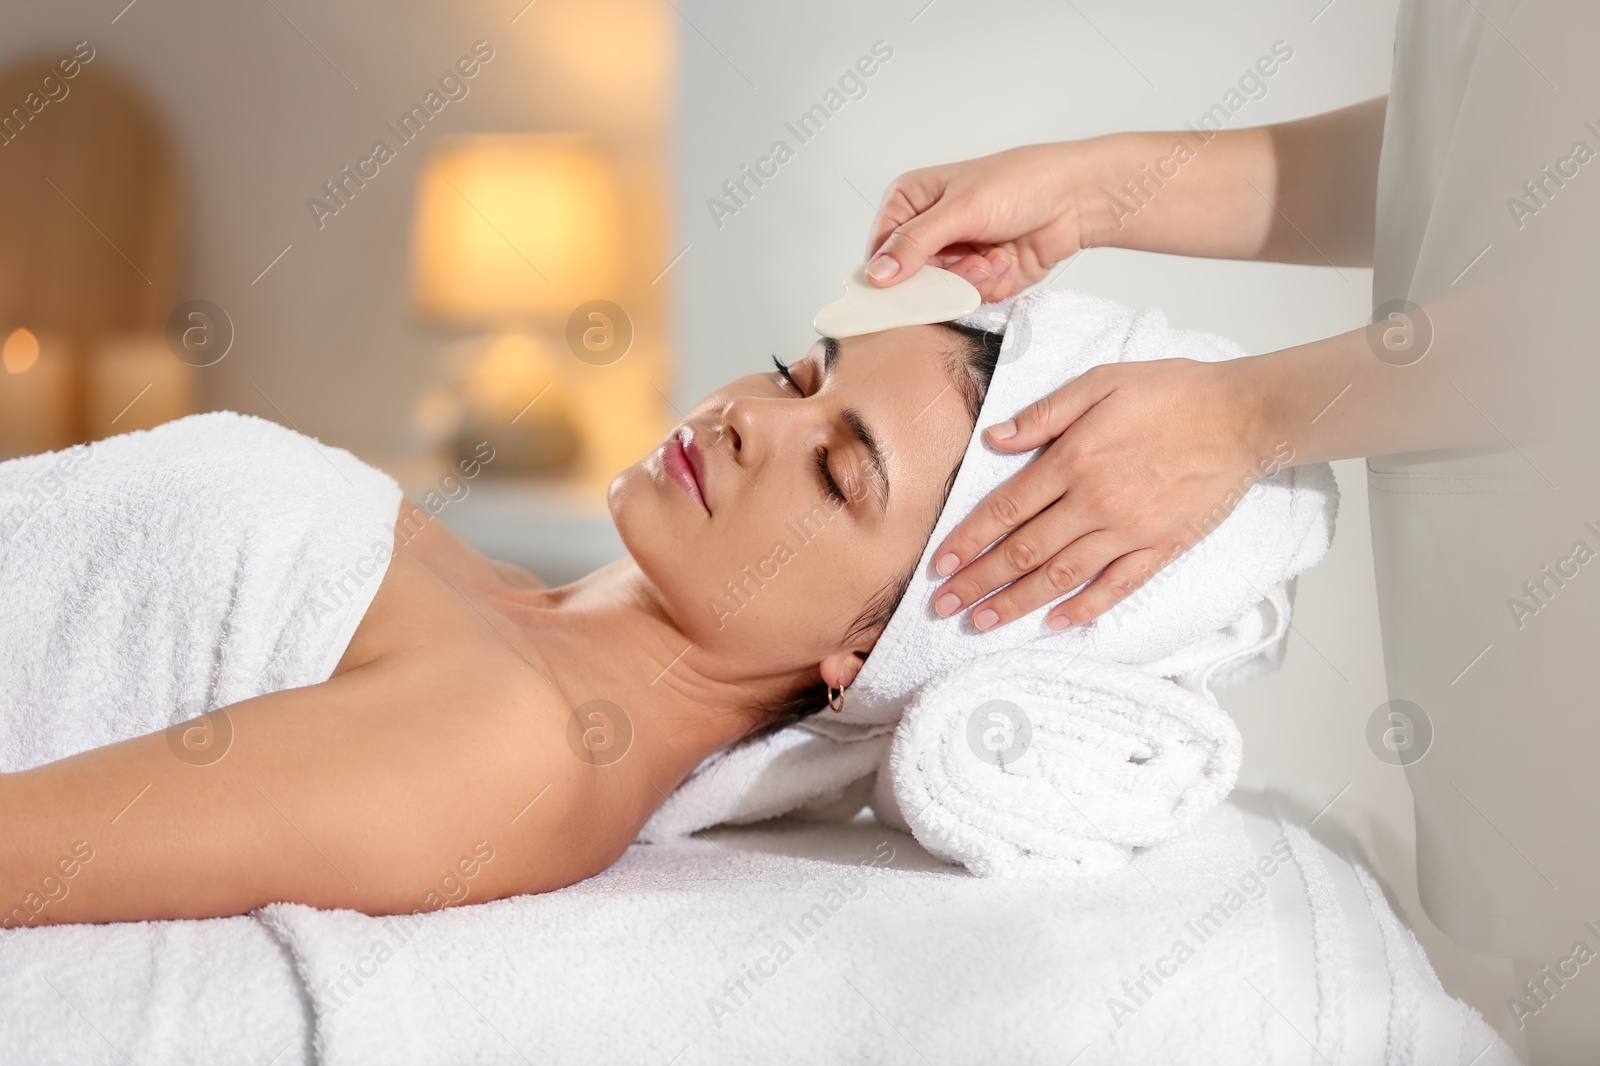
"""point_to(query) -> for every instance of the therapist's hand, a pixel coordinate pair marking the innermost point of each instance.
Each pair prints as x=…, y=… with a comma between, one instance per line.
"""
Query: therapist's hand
x=1143, y=459
x=1002, y=221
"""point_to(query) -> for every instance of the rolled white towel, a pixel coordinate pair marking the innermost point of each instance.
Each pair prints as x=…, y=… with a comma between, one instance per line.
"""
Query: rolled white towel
x=1026, y=762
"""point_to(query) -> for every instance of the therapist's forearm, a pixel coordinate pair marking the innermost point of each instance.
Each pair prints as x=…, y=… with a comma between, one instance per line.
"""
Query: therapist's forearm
x=1327, y=186
x=1334, y=399
x=1296, y=192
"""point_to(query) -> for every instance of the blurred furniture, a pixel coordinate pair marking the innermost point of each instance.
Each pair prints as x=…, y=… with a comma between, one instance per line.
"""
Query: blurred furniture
x=512, y=233
x=557, y=535
x=90, y=206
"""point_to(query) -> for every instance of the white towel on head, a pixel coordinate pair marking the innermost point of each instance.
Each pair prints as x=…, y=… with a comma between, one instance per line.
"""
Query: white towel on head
x=1217, y=615
x=1279, y=528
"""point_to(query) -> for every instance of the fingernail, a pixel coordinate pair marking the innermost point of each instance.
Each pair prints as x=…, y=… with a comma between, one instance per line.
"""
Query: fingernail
x=1002, y=430
x=946, y=564
x=948, y=604
x=985, y=618
x=977, y=275
x=1058, y=621
x=882, y=267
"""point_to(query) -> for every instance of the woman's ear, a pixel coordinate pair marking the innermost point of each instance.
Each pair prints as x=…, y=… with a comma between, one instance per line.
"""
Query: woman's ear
x=840, y=668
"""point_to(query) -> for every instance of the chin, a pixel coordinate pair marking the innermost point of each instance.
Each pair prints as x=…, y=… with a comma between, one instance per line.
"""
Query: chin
x=665, y=536
x=616, y=493
x=626, y=496
x=643, y=517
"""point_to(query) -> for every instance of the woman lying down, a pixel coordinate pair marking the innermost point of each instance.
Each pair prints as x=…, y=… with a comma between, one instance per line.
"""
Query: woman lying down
x=389, y=723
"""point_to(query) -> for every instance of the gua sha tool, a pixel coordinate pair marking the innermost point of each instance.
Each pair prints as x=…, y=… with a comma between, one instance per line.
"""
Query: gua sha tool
x=930, y=295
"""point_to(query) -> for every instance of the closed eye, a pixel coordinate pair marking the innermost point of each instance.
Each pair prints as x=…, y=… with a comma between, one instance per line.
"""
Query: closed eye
x=830, y=485
x=788, y=377
x=824, y=472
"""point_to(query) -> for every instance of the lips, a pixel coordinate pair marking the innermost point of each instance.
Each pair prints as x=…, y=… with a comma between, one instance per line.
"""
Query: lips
x=684, y=463
x=696, y=456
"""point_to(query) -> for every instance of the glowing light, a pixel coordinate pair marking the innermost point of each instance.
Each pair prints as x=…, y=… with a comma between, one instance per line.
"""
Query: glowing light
x=21, y=351
x=514, y=228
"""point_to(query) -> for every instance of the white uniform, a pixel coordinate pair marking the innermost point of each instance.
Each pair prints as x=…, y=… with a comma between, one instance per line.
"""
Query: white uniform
x=1490, y=606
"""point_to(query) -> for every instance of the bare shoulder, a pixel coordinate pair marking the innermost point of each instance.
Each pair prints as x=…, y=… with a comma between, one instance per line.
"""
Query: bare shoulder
x=565, y=809
x=510, y=805
x=516, y=576
x=509, y=795
x=429, y=592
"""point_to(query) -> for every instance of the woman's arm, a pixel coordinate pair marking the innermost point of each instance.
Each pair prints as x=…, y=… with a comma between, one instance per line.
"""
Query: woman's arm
x=381, y=790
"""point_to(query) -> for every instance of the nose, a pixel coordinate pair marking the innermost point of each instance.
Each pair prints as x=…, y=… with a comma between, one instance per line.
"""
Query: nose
x=755, y=427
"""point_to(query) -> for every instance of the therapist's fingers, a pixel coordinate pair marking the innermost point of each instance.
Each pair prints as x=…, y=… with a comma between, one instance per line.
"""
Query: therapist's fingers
x=896, y=207
x=1004, y=276
x=1121, y=579
x=926, y=222
x=972, y=266
x=1067, y=570
x=911, y=194
x=990, y=273
x=1077, y=447
x=1015, y=501
x=1053, y=414
x=1033, y=544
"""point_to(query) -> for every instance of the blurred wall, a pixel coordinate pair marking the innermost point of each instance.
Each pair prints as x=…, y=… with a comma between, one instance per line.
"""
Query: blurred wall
x=268, y=101
x=965, y=80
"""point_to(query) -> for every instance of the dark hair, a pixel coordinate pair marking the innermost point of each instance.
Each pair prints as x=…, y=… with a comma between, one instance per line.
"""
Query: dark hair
x=970, y=363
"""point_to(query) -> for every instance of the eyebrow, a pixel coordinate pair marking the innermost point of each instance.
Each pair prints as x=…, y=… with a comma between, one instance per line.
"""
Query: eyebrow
x=858, y=429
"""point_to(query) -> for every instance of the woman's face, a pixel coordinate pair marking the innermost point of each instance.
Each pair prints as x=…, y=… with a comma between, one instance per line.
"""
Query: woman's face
x=776, y=512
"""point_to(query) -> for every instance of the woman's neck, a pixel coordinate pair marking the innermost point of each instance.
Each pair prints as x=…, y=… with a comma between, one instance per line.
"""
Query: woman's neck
x=608, y=637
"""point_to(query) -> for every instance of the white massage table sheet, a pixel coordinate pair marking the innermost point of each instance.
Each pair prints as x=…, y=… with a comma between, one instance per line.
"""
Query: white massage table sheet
x=911, y=961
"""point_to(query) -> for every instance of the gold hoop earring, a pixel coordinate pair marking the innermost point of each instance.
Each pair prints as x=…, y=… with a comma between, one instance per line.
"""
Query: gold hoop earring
x=836, y=704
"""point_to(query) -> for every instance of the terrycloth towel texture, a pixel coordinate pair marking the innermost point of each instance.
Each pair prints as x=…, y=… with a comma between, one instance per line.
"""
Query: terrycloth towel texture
x=1217, y=615
x=1062, y=762
x=1282, y=526
x=190, y=993
x=842, y=937
x=154, y=576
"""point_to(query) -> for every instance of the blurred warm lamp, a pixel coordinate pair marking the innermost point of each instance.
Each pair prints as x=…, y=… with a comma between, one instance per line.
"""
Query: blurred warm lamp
x=513, y=228
x=21, y=351
x=512, y=233
x=38, y=386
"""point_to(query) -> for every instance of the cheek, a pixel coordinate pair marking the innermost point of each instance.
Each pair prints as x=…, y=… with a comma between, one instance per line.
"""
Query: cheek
x=804, y=587
x=722, y=581
x=777, y=584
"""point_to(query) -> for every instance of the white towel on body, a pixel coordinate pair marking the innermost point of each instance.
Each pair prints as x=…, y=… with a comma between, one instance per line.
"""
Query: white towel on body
x=1217, y=615
x=781, y=944
x=845, y=943
x=157, y=575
